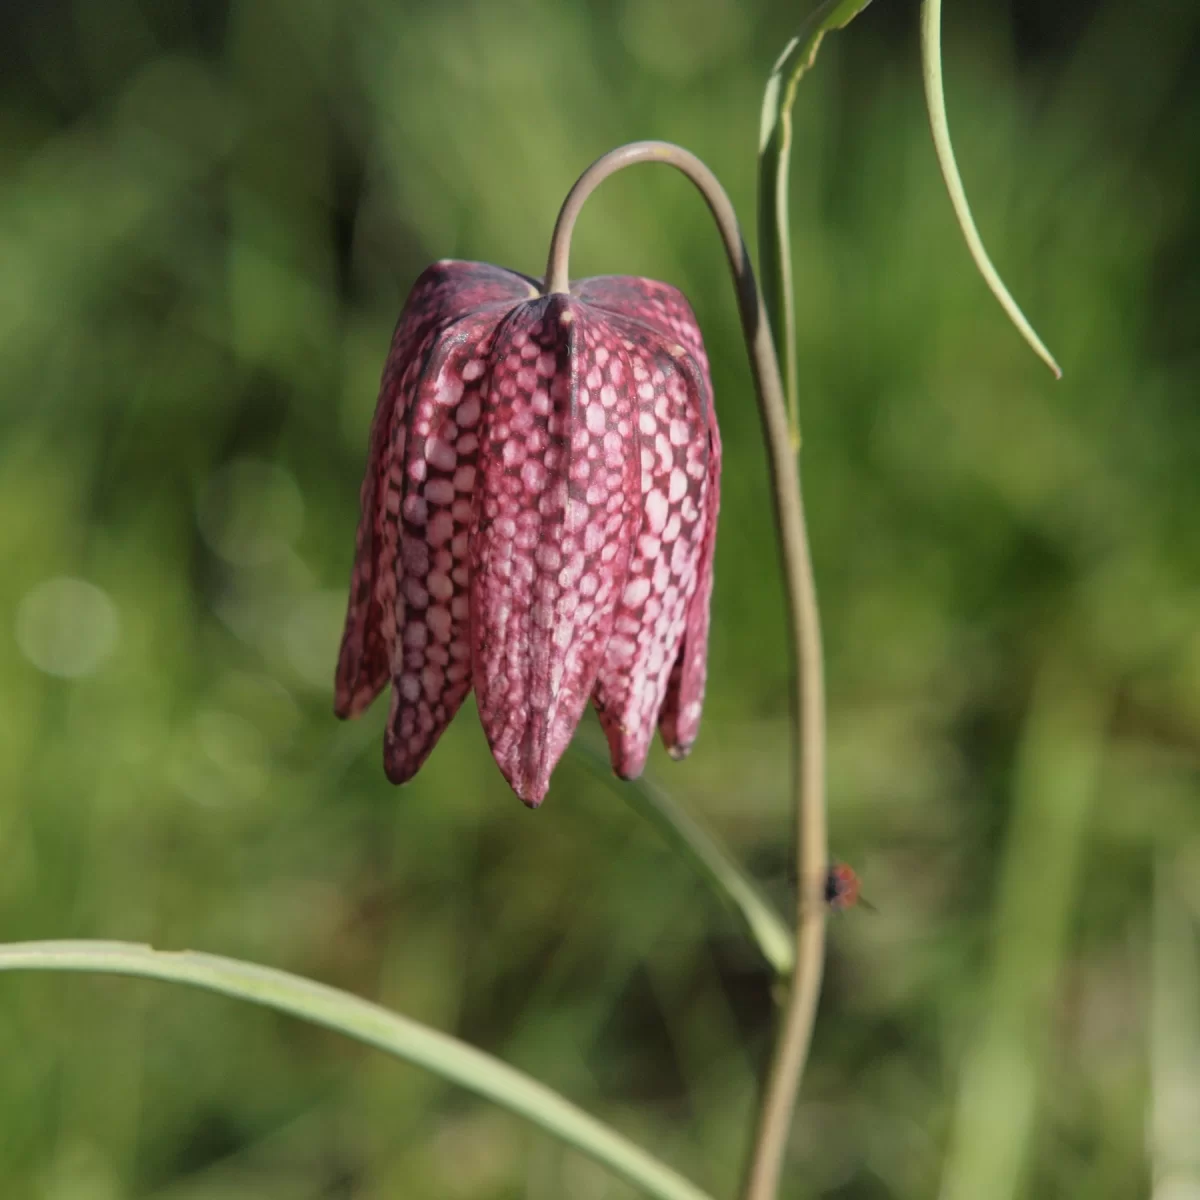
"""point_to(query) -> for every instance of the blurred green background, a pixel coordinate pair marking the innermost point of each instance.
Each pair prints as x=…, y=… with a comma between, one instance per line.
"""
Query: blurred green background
x=210, y=214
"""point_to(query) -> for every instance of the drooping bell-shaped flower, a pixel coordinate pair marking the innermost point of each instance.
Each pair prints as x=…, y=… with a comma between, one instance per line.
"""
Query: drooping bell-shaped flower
x=538, y=516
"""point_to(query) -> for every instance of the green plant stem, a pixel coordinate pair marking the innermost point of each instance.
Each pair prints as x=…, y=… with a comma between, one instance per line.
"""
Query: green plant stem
x=795, y=1030
x=774, y=159
x=710, y=859
x=356, y=1018
x=935, y=99
x=1059, y=767
x=1174, y=1031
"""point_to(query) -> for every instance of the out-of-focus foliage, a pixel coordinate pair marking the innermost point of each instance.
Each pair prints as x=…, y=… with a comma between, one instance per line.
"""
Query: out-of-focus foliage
x=209, y=217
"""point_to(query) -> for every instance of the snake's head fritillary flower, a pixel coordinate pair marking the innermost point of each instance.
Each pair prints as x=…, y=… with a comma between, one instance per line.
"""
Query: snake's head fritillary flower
x=538, y=517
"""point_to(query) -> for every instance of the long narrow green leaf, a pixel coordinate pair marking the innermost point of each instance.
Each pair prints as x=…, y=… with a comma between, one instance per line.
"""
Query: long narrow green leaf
x=1059, y=768
x=1174, y=1035
x=712, y=862
x=356, y=1018
x=935, y=98
x=774, y=156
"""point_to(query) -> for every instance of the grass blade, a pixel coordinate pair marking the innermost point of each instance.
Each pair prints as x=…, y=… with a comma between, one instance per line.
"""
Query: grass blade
x=774, y=157
x=766, y=927
x=438, y=1052
x=935, y=98
x=1058, y=773
x=1174, y=1038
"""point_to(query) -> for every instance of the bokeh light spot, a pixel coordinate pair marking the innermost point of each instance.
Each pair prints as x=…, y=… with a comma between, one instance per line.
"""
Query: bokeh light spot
x=250, y=512
x=66, y=626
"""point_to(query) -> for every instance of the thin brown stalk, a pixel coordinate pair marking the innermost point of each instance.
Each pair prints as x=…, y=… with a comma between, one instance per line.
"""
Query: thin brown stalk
x=795, y=1028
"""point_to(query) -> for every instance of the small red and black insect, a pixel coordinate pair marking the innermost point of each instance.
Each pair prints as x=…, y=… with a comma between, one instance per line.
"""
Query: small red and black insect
x=842, y=889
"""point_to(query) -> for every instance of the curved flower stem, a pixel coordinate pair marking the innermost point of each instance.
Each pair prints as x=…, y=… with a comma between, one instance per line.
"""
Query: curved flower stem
x=795, y=1031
